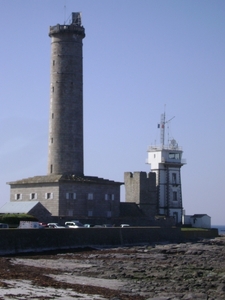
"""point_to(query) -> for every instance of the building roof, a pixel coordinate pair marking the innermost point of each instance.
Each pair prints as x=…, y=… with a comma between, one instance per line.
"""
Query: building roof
x=64, y=178
x=18, y=207
x=199, y=215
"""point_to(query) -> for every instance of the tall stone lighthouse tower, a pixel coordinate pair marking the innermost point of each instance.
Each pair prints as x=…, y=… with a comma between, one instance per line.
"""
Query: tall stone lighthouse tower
x=65, y=155
x=65, y=191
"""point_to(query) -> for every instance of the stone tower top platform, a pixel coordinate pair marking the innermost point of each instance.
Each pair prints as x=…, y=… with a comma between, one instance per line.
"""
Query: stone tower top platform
x=57, y=29
x=74, y=27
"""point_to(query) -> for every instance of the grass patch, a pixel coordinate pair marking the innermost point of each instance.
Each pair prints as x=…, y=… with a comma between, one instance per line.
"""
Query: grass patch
x=193, y=229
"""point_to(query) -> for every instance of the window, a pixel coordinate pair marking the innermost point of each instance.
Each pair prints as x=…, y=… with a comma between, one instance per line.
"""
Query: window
x=51, y=167
x=33, y=196
x=174, y=155
x=48, y=195
x=51, y=140
x=70, y=212
x=109, y=214
x=71, y=196
x=53, y=62
x=174, y=196
x=90, y=213
x=174, y=178
x=18, y=196
x=175, y=215
x=52, y=115
x=90, y=196
x=109, y=197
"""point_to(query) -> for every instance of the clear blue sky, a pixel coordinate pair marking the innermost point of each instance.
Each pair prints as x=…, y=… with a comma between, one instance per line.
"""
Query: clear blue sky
x=139, y=55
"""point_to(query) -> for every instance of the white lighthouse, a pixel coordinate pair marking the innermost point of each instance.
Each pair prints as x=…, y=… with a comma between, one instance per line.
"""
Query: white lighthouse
x=166, y=161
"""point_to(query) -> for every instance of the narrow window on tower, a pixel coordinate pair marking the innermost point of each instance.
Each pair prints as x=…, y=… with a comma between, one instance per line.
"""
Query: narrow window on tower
x=51, y=168
x=53, y=62
x=52, y=140
x=175, y=215
x=53, y=89
x=174, y=178
x=174, y=196
x=52, y=115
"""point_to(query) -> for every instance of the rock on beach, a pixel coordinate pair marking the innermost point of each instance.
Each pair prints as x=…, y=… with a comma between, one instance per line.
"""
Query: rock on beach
x=164, y=271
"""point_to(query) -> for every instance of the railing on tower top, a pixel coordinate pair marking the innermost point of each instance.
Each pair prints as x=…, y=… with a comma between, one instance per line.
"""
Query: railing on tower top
x=164, y=147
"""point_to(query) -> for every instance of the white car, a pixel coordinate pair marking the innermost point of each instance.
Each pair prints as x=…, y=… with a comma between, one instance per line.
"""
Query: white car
x=74, y=224
x=124, y=225
x=54, y=225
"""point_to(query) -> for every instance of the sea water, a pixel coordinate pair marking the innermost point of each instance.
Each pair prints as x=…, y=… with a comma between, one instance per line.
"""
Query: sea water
x=221, y=229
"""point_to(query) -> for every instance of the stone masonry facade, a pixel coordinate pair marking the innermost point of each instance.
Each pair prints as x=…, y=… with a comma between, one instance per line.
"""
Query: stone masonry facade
x=70, y=196
x=65, y=155
x=140, y=188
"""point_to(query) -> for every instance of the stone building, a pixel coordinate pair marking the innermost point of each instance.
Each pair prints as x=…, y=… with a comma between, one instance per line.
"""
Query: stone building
x=140, y=188
x=70, y=196
x=65, y=191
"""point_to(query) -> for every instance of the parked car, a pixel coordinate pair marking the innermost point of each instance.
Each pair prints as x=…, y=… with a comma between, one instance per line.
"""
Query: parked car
x=54, y=225
x=4, y=226
x=74, y=224
x=124, y=225
x=29, y=225
x=43, y=224
x=107, y=225
x=89, y=225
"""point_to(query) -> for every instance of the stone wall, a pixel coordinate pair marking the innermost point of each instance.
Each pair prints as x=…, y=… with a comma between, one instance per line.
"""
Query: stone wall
x=14, y=241
x=196, y=234
x=141, y=188
x=40, y=190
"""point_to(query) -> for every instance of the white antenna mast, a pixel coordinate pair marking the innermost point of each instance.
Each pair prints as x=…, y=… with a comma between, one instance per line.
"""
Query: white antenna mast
x=65, y=12
x=162, y=128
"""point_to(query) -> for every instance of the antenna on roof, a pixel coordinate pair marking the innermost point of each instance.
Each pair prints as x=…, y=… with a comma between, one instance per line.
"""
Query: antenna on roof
x=65, y=12
x=162, y=128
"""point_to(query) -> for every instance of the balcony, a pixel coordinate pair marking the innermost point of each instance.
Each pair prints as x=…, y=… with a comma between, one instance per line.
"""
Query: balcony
x=165, y=147
x=174, y=161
